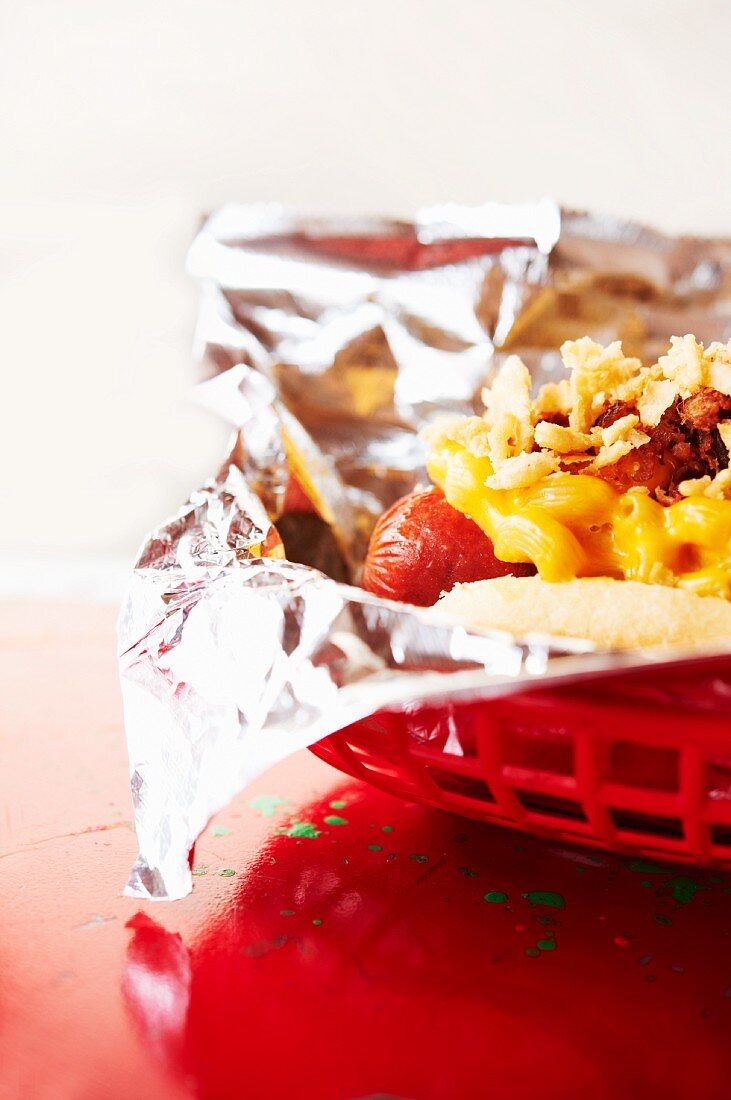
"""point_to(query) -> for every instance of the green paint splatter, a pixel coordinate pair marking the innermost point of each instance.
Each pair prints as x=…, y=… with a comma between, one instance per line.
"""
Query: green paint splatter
x=663, y=920
x=286, y=912
x=644, y=867
x=715, y=879
x=300, y=829
x=375, y=848
x=333, y=819
x=581, y=870
x=386, y=828
x=220, y=830
x=226, y=872
x=546, y=945
x=495, y=896
x=338, y=804
x=202, y=870
x=533, y=952
x=467, y=872
x=419, y=858
x=684, y=889
x=317, y=922
x=545, y=897
x=268, y=804
x=646, y=882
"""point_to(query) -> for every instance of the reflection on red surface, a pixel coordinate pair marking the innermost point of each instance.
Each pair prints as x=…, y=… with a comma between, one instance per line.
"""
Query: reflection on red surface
x=413, y=985
x=438, y=959
x=156, y=986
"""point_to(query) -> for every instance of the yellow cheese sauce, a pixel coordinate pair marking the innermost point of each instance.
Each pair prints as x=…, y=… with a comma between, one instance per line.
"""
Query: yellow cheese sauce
x=577, y=525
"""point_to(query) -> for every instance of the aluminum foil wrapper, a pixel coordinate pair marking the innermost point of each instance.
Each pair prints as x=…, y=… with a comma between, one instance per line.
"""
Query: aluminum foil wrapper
x=244, y=636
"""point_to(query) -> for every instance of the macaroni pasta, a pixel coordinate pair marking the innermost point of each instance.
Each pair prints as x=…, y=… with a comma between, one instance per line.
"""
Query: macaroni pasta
x=577, y=525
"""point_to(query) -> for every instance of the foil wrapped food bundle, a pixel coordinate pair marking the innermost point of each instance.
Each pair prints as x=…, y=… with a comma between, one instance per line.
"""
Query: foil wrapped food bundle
x=329, y=345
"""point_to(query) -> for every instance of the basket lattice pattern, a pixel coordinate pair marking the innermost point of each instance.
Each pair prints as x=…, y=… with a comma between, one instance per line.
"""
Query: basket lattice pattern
x=640, y=764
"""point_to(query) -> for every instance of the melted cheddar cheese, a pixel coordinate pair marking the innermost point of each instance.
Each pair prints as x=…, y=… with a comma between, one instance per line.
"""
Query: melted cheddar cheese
x=577, y=525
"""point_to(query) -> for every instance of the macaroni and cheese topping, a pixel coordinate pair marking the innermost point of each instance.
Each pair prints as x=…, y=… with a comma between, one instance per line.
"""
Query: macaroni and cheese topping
x=617, y=470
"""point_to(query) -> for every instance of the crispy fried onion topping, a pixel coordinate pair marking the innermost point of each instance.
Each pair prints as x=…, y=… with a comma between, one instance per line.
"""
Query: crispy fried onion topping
x=664, y=427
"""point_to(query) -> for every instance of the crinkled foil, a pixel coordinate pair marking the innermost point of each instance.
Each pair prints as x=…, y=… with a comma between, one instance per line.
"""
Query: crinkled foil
x=330, y=344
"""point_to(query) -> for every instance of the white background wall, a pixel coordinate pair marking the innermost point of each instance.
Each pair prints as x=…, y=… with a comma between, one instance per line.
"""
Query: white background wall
x=121, y=122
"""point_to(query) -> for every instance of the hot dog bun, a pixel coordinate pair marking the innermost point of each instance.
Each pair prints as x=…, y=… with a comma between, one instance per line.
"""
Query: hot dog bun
x=610, y=613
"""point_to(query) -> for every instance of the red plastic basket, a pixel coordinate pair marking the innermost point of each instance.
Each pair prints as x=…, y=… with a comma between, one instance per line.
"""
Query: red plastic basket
x=640, y=763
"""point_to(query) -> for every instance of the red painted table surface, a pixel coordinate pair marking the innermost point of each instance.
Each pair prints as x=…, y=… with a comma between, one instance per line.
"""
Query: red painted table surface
x=393, y=954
